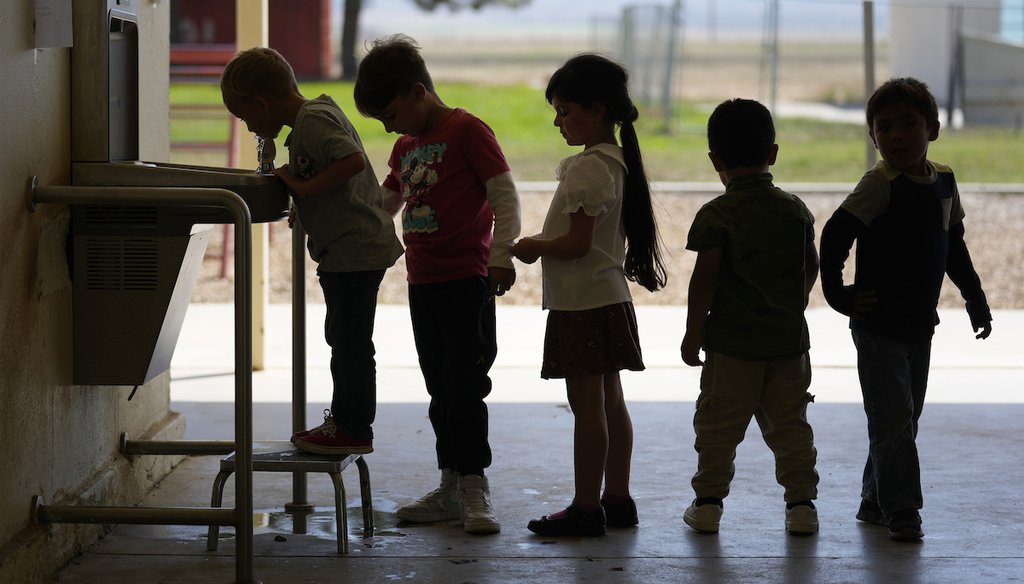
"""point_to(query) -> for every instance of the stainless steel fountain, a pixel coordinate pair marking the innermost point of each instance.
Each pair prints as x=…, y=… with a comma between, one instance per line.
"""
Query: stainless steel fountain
x=134, y=266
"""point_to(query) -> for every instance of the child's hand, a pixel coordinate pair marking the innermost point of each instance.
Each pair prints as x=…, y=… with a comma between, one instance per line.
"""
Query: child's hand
x=289, y=181
x=501, y=280
x=527, y=250
x=291, y=216
x=863, y=302
x=690, y=349
x=985, y=328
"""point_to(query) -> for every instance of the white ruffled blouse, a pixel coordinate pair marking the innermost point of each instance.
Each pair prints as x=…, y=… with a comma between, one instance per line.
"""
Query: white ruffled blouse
x=591, y=181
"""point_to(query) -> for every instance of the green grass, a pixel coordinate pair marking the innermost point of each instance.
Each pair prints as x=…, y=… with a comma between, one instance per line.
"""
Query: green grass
x=810, y=150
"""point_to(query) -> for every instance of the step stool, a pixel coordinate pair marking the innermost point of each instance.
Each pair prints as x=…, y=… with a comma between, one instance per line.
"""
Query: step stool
x=282, y=456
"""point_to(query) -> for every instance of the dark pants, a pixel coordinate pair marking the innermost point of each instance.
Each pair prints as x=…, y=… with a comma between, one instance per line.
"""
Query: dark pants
x=351, y=299
x=453, y=324
x=893, y=381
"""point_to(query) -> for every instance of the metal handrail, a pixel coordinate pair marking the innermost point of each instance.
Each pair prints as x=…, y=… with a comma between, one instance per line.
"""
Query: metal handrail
x=300, y=506
x=171, y=197
x=175, y=447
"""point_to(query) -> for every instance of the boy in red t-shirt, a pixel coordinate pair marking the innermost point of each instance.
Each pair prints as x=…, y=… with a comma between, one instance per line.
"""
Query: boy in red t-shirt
x=460, y=217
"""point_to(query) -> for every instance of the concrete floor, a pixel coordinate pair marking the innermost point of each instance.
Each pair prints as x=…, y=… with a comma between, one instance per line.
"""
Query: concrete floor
x=970, y=443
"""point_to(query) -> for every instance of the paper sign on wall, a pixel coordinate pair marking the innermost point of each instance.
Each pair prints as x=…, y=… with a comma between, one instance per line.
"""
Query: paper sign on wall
x=53, y=23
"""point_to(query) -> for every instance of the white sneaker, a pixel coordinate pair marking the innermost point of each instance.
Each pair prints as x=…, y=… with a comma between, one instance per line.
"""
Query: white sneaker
x=438, y=505
x=703, y=518
x=802, y=520
x=477, y=514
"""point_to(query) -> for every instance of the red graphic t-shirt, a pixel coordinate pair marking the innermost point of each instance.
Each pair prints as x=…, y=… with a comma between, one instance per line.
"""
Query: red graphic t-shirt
x=441, y=174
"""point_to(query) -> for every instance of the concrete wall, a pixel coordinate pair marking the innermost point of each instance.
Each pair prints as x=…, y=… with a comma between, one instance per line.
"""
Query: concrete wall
x=921, y=38
x=994, y=81
x=60, y=441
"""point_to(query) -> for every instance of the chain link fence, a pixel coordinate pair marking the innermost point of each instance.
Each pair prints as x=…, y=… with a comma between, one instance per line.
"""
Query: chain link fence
x=647, y=40
x=786, y=52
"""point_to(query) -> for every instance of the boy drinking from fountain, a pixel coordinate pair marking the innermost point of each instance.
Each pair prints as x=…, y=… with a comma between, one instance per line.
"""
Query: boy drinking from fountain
x=336, y=199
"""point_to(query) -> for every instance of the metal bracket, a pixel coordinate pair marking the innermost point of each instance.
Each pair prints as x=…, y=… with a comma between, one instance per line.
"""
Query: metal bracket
x=33, y=184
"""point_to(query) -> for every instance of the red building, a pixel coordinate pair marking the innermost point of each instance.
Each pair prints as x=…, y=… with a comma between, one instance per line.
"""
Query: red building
x=203, y=36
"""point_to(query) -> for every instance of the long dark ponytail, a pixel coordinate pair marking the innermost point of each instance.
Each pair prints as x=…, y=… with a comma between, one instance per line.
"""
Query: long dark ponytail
x=588, y=79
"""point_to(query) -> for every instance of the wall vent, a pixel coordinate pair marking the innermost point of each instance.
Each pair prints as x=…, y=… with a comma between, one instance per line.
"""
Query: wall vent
x=121, y=264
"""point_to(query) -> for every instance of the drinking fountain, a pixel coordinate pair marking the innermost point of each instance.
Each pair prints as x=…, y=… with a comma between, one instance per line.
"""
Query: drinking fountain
x=134, y=267
x=138, y=234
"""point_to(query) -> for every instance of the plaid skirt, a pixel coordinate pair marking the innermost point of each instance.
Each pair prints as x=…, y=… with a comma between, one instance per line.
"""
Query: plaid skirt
x=591, y=342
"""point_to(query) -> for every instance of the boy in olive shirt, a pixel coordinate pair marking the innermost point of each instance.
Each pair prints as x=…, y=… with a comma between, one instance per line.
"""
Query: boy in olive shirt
x=756, y=264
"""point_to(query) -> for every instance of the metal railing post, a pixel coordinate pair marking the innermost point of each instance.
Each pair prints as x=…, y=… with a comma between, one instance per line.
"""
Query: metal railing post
x=299, y=507
x=186, y=196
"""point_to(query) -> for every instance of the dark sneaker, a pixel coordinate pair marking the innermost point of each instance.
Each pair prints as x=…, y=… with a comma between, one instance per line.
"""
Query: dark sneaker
x=571, y=521
x=329, y=439
x=620, y=514
x=304, y=433
x=905, y=525
x=870, y=512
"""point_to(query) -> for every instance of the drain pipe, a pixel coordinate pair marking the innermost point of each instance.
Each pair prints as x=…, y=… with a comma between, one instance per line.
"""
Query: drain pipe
x=299, y=507
x=242, y=514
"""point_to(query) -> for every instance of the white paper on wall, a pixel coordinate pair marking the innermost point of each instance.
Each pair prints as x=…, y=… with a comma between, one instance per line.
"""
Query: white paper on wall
x=53, y=23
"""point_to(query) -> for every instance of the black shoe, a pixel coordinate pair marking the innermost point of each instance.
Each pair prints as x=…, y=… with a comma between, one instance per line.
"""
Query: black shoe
x=870, y=512
x=905, y=525
x=572, y=522
x=621, y=514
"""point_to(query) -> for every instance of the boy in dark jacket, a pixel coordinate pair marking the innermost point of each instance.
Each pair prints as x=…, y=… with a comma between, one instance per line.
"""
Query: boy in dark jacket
x=906, y=218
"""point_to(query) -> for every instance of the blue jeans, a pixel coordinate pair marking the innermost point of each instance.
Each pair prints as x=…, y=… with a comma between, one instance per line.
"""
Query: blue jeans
x=893, y=380
x=351, y=299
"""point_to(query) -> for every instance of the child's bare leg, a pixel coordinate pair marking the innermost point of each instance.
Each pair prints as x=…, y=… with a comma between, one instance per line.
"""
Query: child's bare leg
x=590, y=438
x=620, y=439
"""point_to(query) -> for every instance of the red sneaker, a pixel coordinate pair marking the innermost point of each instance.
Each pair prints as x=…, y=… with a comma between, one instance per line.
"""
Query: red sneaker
x=304, y=433
x=329, y=439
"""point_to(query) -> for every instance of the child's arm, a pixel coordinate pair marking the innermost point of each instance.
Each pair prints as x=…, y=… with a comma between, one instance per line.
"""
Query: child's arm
x=701, y=293
x=573, y=245
x=504, y=201
x=836, y=241
x=962, y=273
x=391, y=201
x=810, y=269
x=336, y=173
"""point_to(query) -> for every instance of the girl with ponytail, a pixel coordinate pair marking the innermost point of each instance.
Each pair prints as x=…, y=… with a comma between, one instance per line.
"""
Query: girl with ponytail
x=599, y=233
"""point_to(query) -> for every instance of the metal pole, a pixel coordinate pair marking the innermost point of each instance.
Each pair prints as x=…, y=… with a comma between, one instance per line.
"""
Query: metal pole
x=299, y=507
x=956, y=15
x=213, y=197
x=627, y=38
x=670, y=64
x=870, y=155
x=244, y=572
x=132, y=515
x=775, y=56
x=770, y=51
x=172, y=447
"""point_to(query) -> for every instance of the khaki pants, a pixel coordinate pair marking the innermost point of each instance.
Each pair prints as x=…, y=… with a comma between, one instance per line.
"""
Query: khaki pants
x=774, y=392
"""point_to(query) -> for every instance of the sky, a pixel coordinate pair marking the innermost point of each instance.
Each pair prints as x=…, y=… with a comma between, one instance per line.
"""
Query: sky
x=701, y=18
